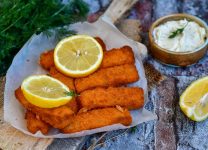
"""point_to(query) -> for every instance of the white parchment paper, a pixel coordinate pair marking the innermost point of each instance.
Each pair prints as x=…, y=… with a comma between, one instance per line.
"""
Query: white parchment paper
x=25, y=63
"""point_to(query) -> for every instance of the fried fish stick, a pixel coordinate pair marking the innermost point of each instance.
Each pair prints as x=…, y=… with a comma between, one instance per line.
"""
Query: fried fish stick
x=35, y=124
x=102, y=44
x=46, y=59
x=114, y=57
x=98, y=118
x=113, y=76
x=69, y=82
x=128, y=97
x=73, y=105
x=58, y=117
x=118, y=56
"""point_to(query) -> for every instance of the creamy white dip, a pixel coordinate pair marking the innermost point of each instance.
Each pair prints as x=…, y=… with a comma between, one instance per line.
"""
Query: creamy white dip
x=192, y=37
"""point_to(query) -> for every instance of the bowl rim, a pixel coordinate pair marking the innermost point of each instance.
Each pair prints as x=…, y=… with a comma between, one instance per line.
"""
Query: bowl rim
x=182, y=15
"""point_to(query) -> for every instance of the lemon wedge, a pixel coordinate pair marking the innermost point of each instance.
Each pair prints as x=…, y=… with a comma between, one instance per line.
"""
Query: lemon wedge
x=45, y=92
x=78, y=56
x=194, y=100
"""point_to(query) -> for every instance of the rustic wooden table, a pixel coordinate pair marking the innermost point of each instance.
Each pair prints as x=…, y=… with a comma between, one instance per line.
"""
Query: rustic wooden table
x=172, y=130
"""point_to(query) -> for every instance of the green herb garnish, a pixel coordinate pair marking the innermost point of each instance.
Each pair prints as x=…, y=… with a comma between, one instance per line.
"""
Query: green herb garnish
x=133, y=129
x=20, y=19
x=71, y=93
x=177, y=32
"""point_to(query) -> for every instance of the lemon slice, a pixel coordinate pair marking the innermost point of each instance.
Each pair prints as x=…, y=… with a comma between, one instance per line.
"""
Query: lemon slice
x=78, y=56
x=194, y=100
x=45, y=92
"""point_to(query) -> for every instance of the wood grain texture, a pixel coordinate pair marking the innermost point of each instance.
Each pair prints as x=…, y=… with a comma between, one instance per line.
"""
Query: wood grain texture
x=117, y=8
x=134, y=32
x=173, y=128
x=165, y=110
x=11, y=138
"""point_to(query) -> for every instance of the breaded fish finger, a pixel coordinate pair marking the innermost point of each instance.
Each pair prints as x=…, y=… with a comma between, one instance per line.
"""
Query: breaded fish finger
x=72, y=104
x=118, y=56
x=128, y=97
x=101, y=42
x=114, y=57
x=69, y=82
x=35, y=124
x=58, y=117
x=98, y=118
x=46, y=59
x=113, y=76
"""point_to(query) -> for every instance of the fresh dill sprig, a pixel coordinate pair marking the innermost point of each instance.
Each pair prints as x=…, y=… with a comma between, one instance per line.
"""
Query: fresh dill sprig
x=71, y=93
x=177, y=32
x=133, y=129
x=20, y=19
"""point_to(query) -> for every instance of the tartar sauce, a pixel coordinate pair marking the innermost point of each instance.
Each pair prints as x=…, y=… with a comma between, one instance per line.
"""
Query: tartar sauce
x=192, y=37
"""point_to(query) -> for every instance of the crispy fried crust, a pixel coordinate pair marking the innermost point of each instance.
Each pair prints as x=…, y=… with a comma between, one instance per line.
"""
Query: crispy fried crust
x=65, y=79
x=128, y=97
x=118, y=56
x=46, y=59
x=35, y=124
x=68, y=82
x=113, y=76
x=58, y=117
x=100, y=41
x=114, y=57
x=73, y=105
x=98, y=118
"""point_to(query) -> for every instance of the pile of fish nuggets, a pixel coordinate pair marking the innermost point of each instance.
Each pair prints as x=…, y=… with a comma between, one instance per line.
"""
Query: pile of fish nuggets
x=103, y=97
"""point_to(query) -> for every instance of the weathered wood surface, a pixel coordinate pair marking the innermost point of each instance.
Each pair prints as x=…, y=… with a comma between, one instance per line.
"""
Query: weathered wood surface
x=165, y=137
x=172, y=130
x=117, y=8
x=164, y=96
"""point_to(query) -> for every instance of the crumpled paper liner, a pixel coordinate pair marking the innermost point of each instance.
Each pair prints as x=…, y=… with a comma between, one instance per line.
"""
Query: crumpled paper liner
x=25, y=64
